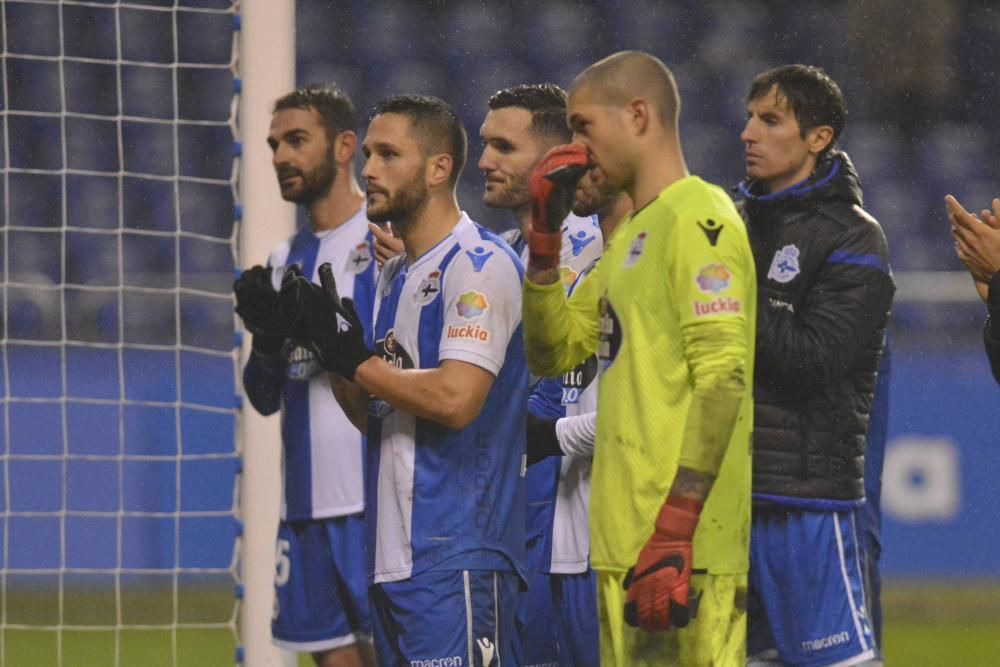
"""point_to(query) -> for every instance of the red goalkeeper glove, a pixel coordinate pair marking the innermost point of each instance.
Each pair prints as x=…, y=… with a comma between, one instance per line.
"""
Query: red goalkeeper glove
x=553, y=184
x=658, y=583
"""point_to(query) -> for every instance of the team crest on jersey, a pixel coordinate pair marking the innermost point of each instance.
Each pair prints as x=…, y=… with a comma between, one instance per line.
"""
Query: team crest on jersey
x=635, y=250
x=713, y=278
x=785, y=265
x=302, y=363
x=360, y=258
x=429, y=288
x=579, y=241
x=478, y=256
x=472, y=304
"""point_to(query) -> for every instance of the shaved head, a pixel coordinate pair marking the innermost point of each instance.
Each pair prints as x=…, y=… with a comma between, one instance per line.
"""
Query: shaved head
x=626, y=75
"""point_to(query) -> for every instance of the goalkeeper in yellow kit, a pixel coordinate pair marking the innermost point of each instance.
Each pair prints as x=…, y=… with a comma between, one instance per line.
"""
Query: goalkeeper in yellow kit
x=670, y=309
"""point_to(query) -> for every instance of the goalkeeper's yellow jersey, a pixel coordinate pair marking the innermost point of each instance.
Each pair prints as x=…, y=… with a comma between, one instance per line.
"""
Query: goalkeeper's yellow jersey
x=683, y=259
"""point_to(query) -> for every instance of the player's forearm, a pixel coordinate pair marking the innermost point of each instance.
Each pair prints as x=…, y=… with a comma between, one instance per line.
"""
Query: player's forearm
x=556, y=337
x=431, y=394
x=353, y=400
x=577, y=434
x=691, y=484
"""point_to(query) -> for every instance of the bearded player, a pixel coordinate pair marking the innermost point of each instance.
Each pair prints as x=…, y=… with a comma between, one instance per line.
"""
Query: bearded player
x=321, y=602
x=441, y=391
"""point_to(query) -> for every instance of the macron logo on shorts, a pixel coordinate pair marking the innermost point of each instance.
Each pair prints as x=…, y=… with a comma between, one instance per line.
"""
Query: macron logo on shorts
x=453, y=661
x=826, y=642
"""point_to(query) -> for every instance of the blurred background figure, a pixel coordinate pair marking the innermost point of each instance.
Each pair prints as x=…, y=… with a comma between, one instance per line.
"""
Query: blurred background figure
x=977, y=244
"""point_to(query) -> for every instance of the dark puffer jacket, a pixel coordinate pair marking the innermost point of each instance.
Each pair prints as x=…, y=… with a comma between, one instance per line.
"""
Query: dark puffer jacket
x=824, y=292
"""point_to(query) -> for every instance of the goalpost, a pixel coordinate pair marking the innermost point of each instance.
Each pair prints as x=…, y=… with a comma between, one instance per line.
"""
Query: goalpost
x=135, y=529
x=268, y=73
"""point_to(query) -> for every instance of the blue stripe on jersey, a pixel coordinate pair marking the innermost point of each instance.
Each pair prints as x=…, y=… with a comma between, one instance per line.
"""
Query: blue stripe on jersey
x=514, y=254
x=873, y=261
x=542, y=479
x=298, y=456
x=305, y=247
x=432, y=320
x=425, y=431
x=384, y=321
x=295, y=430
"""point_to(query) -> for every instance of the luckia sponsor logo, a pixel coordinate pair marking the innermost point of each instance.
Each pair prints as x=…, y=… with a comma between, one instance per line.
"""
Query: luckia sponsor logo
x=720, y=306
x=473, y=331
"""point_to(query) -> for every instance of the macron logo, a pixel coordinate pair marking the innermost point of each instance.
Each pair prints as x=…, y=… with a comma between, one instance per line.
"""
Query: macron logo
x=486, y=650
x=452, y=661
x=826, y=642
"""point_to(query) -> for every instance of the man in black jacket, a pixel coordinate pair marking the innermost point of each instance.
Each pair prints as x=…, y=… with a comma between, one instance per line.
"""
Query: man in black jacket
x=825, y=289
x=977, y=244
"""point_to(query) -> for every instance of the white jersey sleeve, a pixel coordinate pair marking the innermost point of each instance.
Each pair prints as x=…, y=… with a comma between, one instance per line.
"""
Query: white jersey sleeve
x=576, y=434
x=482, y=310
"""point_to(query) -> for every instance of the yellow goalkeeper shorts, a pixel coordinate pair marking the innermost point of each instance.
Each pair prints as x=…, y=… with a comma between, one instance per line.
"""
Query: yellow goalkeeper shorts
x=717, y=636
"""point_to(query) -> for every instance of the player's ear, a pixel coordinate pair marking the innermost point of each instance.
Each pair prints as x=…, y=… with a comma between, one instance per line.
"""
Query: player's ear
x=637, y=115
x=345, y=146
x=438, y=169
x=819, y=138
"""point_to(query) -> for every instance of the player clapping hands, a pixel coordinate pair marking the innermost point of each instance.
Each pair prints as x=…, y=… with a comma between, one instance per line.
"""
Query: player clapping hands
x=319, y=319
x=257, y=304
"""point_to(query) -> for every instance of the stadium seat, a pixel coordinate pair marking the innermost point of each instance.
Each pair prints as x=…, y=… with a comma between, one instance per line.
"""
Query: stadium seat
x=475, y=29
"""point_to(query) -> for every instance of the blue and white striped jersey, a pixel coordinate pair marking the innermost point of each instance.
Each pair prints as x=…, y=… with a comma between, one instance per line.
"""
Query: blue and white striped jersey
x=571, y=523
x=322, y=463
x=550, y=484
x=447, y=499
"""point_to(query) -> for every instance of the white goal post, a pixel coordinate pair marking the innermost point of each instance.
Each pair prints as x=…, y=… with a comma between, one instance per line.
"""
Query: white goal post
x=267, y=71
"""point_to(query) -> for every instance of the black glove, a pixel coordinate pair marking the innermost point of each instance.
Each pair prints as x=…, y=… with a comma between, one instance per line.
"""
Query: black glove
x=257, y=304
x=318, y=319
x=542, y=440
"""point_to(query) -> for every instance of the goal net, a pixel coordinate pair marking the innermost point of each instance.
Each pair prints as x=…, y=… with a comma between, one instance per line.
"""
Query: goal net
x=119, y=457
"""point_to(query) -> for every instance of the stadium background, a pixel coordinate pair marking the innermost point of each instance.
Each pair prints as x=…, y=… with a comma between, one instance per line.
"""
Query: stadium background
x=920, y=82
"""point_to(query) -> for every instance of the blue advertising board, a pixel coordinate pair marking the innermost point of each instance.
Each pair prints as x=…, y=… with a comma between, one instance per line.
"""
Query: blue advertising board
x=941, y=477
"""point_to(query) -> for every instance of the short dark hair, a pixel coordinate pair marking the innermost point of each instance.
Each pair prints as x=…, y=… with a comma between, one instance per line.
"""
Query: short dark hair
x=332, y=104
x=545, y=101
x=436, y=121
x=812, y=95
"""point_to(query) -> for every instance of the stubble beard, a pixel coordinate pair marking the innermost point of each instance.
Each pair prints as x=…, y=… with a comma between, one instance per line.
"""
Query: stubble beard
x=316, y=184
x=401, y=206
x=515, y=195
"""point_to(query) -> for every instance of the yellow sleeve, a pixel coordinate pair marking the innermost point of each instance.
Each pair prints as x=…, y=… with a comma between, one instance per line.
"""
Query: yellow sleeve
x=714, y=289
x=559, y=333
x=716, y=353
